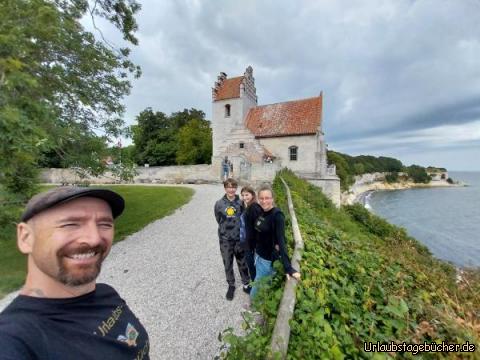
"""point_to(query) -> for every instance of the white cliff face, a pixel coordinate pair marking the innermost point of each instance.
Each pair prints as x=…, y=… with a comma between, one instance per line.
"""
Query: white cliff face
x=376, y=181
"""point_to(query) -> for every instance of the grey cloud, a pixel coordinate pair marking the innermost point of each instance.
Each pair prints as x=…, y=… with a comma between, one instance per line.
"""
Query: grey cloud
x=464, y=112
x=385, y=67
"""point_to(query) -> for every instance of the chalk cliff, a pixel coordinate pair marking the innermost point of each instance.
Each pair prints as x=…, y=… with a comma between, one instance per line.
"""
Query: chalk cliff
x=376, y=181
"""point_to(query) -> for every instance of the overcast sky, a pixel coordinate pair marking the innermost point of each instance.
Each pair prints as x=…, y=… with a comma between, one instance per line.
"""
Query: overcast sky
x=400, y=78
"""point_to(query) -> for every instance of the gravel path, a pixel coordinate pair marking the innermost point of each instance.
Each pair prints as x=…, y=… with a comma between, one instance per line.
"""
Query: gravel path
x=171, y=275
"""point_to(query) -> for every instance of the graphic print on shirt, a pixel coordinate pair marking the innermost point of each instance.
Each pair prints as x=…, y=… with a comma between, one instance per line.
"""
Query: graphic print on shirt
x=230, y=211
x=130, y=337
x=108, y=324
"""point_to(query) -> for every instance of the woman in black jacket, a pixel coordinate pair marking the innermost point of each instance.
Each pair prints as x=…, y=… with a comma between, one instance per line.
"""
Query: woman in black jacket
x=269, y=237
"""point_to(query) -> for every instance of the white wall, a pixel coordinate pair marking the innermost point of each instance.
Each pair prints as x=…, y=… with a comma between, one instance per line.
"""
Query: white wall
x=307, y=146
x=222, y=125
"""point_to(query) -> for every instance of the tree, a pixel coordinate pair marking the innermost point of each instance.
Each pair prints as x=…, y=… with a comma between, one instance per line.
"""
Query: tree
x=392, y=177
x=181, y=118
x=54, y=75
x=418, y=174
x=389, y=164
x=195, y=143
x=157, y=138
x=341, y=165
x=59, y=85
x=359, y=168
x=77, y=148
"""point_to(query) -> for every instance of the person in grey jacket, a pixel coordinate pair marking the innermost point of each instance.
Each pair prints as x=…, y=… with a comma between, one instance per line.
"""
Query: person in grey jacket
x=227, y=213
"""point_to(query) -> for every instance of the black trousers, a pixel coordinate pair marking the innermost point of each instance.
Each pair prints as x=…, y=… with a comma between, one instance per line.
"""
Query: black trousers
x=230, y=249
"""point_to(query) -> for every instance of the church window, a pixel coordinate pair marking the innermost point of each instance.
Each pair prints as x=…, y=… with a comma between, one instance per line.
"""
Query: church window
x=242, y=145
x=293, y=150
x=227, y=110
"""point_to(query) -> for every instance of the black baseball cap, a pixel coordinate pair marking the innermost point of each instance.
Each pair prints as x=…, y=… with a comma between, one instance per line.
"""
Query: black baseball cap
x=63, y=194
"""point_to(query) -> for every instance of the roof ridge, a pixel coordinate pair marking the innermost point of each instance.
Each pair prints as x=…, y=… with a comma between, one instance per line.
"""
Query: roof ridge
x=290, y=101
x=236, y=77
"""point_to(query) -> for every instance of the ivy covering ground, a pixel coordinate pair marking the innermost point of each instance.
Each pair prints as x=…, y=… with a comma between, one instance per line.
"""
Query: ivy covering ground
x=365, y=280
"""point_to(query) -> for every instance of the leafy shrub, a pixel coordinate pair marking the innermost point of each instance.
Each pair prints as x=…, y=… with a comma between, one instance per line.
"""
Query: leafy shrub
x=392, y=177
x=418, y=174
x=365, y=280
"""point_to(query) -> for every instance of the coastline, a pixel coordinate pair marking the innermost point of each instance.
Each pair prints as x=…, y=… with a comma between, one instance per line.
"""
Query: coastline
x=361, y=188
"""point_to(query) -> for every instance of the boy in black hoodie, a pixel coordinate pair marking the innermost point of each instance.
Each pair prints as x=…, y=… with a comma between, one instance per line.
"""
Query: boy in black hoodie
x=227, y=213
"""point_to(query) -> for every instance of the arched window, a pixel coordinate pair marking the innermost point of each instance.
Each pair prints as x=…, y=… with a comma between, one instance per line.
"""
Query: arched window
x=293, y=152
x=227, y=110
x=242, y=145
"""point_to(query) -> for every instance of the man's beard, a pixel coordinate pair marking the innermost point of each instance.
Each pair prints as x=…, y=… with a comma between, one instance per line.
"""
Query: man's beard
x=84, y=275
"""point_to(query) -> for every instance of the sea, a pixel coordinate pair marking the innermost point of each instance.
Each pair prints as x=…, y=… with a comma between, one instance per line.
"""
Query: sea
x=446, y=220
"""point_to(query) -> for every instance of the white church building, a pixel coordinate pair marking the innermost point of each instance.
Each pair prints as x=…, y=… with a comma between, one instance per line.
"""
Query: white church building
x=261, y=139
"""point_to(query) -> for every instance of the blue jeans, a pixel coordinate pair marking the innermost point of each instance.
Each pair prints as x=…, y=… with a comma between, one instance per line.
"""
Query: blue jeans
x=264, y=269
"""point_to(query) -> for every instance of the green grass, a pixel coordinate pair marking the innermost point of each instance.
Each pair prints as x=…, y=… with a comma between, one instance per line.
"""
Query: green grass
x=144, y=204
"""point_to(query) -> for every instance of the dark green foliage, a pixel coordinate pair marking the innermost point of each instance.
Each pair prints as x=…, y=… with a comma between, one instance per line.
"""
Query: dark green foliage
x=392, y=177
x=343, y=169
x=418, y=174
x=365, y=280
x=127, y=153
x=75, y=146
x=433, y=169
x=182, y=138
x=349, y=166
x=357, y=165
x=182, y=118
x=154, y=138
x=58, y=86
x=194, y=143
x=450, y=180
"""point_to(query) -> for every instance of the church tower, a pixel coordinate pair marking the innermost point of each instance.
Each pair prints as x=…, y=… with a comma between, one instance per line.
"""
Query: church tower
x=231, y=101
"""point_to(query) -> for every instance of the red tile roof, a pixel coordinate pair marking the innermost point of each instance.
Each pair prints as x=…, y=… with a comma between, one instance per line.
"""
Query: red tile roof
x=298, y=117
x=229, y=89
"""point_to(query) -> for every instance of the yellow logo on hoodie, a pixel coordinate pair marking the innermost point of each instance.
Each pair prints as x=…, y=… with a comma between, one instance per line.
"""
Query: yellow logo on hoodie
x=230, y=211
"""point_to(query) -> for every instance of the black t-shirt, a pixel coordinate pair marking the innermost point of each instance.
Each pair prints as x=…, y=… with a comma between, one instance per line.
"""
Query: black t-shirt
x=97, y=325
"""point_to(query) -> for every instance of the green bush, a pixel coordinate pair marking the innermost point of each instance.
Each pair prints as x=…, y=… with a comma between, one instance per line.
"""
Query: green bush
x=392, y=177
x=365, y=280
x=418, y=174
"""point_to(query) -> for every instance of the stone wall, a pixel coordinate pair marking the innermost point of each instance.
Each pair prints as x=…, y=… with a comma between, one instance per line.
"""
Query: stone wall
x=264, y=171
x=330, y=186
x=154, y=174
x=191, y=174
